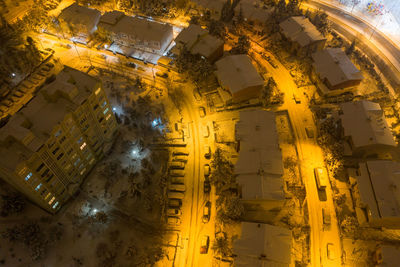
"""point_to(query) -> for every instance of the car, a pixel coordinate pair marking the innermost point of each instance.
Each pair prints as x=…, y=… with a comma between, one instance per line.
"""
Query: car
x=15, y=99
x=140, y=68
x=180, y=152
x=176, y=165
x=321, y=178
x=207, y=151
x=177, y=180
x=3, y=108
x=207, y=186
x=175, y=195
x=206, y=212
x=202, y=112
x=206, y=170
x=131, y=65
x=177, y=187
x=162, y=74
x=204, y=244
x=7, y=102
x=18, y=93
x=180, y=158
x=330, y=253
x=176, y=172
x=172, y=220
x=174, y=203
x=326, y=218
x=196, y=94
x=50, y=65
x=174, y=212
x=206, y=131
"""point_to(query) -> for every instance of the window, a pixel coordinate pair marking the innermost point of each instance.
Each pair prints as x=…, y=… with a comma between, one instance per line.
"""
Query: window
x=91, y=161
x=60, y=156
x=67, y=167
x=62, y=139
x=55, y=150
x=52, y=200
x=57, y=133
x=108, y=116
x=83, y=146
x=104, y=103
x=45, y=173
x=69, y=151
x=97, y=91
x=28, y=176
x=95, y=107
x=77, y=162
x=80, y=140
x=38, y=187
x=101, y=119
x=105, y=111
x=83, y=171
x=55, y=205
x=43, y=192
x=40, y=167
x=49, y=178
x=47, y=196
x=82, y=121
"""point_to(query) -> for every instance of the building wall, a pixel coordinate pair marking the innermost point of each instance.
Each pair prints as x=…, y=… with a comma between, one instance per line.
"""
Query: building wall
x=247, y=94
x=53, y=174
x=343, y=85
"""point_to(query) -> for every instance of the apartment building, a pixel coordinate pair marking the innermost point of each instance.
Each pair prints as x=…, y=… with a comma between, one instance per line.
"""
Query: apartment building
x=52, y=143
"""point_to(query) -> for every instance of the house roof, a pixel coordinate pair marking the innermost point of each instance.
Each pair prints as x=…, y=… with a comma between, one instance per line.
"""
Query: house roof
x=259, y=145
x=198, y=41
x=334, y=65
x=261, y=187
x=215, y=5
x=299, y=29
x=252, y=10
x=390, y=256
x=80, y=15
x=111, y=17
x=263, y=245
x=237, y=73
x=138, y=28
x=379, y=184
x=365, y=123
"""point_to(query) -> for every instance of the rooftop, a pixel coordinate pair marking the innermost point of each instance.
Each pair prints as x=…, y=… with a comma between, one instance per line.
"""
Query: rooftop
x=261, y=187
x=32, y=125
x=252, y=10
x=379, y=185
x=237, y=73
x=262, y=245
x=215, y=5
x=334, y=65
x=299, y=29
x=390, y=256
x=198, y=41
x=111, y=17
x=259, y=146
x=365, y=123
x=80, y=15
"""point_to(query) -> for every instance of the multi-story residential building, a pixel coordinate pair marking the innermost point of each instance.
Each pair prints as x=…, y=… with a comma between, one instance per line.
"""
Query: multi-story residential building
x=52, y=143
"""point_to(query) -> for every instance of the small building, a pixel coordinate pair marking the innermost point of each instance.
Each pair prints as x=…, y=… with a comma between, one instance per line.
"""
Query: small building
x=333, y=68
x=262, y=245
x=253, y=12
x=303, y=35
x=56, y=139
x=378, y=204
x=131, y=33
x=237, y=75
x=213, y=7
x=78, y=22
x=199, y=41
x=259, y=168
x=365, y=129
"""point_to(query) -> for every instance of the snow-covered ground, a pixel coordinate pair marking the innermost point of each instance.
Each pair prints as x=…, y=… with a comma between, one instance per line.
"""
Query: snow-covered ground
x=384, y=15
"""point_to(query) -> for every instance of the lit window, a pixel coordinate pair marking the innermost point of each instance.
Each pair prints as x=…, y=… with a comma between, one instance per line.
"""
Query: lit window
x=57, y=133
x=104, y=103
x=52, y=200
x=105, y=111
x=88, y=156
x=97, y=91
x=108, y=116
x=83, y=145
x=28, y=176
x=38, y=187
x=48, y=195
x=83, y=171
x=91, y=161
x=55, y=205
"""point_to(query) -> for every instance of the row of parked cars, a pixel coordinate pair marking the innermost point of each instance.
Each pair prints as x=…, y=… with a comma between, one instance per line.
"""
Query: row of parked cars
x=176, y=186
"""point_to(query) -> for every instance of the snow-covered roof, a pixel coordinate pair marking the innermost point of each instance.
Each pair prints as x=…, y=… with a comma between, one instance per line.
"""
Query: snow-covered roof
x=252, y=10
x=390, y=256
x=111, y=17
x=261, y=187
x=214, y=5
x=259, y=146
x=198, y=41
x=299, y=29
x=263, y=245
x=80, y=15
x=379, y=184
x=334, y=65
x=32, y=125
x=365, y=123
x=237, y=73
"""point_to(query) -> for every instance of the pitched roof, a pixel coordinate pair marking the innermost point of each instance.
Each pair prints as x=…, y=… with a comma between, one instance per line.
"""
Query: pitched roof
x=299, y=29
x=365, y=123
x=236, y=73
x=80, y=15
x=334, y=65
x=263, y=245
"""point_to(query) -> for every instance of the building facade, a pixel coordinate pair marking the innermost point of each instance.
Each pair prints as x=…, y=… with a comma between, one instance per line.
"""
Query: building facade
x=55, y=140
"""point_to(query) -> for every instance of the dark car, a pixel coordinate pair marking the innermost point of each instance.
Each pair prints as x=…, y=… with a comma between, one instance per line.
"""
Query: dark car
x=207, y=186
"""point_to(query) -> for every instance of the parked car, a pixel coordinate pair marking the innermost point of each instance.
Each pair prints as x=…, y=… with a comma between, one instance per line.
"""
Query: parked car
x=330, y=253
x=207, y=151
x=321, y=178
x=206, y=170
x=180, y=152
x=175, y=221
x=206, y=212
x=174, y=212
x=196, y=94
x=175, y=195
x=206, y=131
x=177, y=187
x=177, y=180
x=202, y=112
x=174, y=203
x=176, y=165
x=180, y=158
x=207, y=186
x=204, y=244
x=176, y=173
x=162, y=74
x=326, y=218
